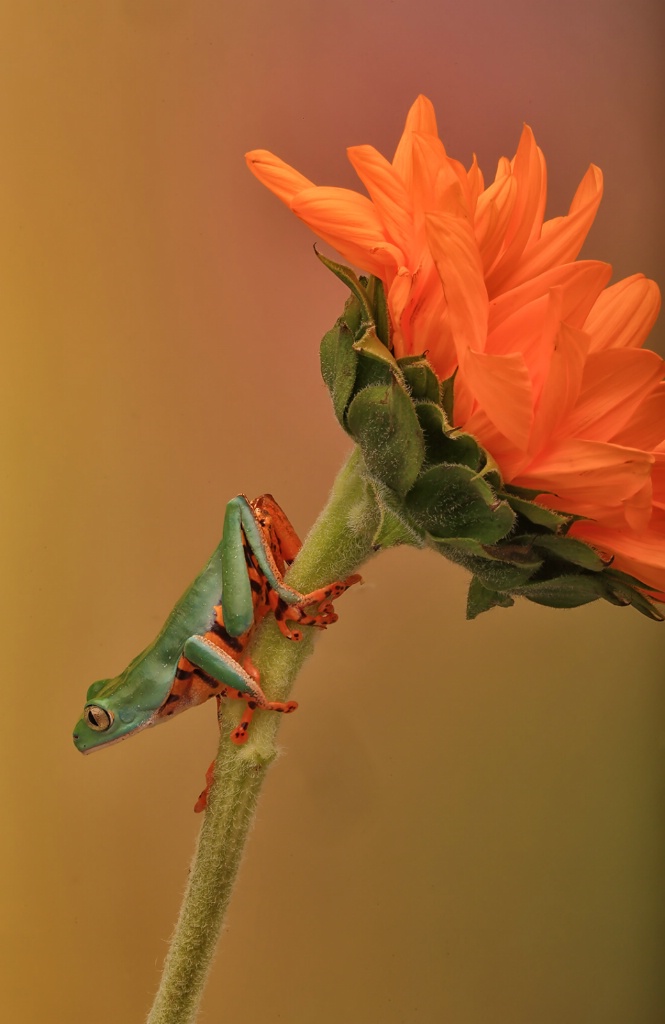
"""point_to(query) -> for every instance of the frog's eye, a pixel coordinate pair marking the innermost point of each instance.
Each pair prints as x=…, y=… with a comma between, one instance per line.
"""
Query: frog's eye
x=98, y=718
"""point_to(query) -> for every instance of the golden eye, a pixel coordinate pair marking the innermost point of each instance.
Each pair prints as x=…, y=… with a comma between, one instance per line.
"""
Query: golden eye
x=98, y=718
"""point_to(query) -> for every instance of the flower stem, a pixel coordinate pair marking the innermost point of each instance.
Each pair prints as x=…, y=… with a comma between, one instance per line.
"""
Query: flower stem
x=339, y=542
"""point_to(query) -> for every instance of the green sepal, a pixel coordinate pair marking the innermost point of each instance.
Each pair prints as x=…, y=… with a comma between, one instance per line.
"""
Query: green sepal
x=461, y=550
x=489, y=469
x=567, y=549
x=350, y=279
x=536, y=514
x=480, y=599
x=524, y=492
x=372, y=372
x=623, y=577
x=622, y=589
x=383, y=422
x=493, y=478
x=442, y=446
x=377, y=297
x=497, y=580
x=369, y=344
x=393, y=528
x=419, y=375
x=411, y=360
x=500, y=567
x=451, y=501
x=447, y=396
x=353, y=315
x=339, y=364
x=568, y=591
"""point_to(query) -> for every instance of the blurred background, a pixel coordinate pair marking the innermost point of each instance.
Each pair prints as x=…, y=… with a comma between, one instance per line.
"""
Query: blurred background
x=467, y=824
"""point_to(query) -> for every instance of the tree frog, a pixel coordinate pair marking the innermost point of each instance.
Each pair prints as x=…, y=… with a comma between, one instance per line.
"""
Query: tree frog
x=200, y=651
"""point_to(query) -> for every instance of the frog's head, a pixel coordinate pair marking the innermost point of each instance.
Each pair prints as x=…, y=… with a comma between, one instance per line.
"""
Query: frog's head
x=107, y=718
x=116, y=708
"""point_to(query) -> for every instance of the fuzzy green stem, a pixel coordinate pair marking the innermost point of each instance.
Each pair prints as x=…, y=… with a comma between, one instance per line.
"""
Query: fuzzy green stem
x=339, y=542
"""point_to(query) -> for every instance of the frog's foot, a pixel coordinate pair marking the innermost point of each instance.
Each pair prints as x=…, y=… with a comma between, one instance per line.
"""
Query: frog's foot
x=202, y=801
x=321, y=600
x=257, y=700
x=325, y=616
x=240, y=733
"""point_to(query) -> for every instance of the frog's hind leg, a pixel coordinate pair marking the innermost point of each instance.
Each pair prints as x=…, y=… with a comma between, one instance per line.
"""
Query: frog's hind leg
x=202, y=801
x=240, y=682
x=260, y=533
x=248, y=674
x=273, y=519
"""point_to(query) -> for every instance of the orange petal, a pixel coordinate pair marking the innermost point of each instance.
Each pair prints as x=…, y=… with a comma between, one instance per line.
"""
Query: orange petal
x=638, y=510
x=640, y=554
x=537, y=226
x=279, y=177
x=562, y=383
x=614, y=384
x=421, y=118
x=429, y=322
x=476, y=182
x=561, y=238
x=462, y=176
x=391, y=200
x=527, y=171
x=432, y=172
x=455, y=253
x=510, y=459
x=581, y=283
x=646, y=428
x=658, y=478
x=588, y=472
x=493, y=211
x=634, y=513
x=503, y=168
x=418, y=313
x=399, y=296
x=624, y=314
x=350, y=223
x=532, y=330
x=502, y=388
x=518, y=330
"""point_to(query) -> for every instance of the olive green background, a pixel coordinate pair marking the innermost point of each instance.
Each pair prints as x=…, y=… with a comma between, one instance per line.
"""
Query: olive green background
x=467, y=824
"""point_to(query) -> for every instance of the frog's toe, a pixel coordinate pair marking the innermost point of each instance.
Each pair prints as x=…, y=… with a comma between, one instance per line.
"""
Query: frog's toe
x=239, y=735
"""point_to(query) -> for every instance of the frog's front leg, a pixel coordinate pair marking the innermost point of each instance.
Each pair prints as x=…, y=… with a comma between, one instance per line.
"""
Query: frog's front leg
x=314, y=609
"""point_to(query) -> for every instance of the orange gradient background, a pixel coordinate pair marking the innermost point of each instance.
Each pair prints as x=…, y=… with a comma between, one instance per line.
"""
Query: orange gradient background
x=467, y=823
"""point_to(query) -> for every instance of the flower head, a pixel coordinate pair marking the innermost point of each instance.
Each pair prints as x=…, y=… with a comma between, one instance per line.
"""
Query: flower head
x=549, y=373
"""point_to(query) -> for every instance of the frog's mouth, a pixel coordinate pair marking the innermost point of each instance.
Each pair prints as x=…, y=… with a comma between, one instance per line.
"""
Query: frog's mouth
x=88, y=745
x=85, y=748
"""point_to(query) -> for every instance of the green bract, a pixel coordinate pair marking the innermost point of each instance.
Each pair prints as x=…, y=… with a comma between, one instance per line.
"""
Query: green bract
x=436, y=486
